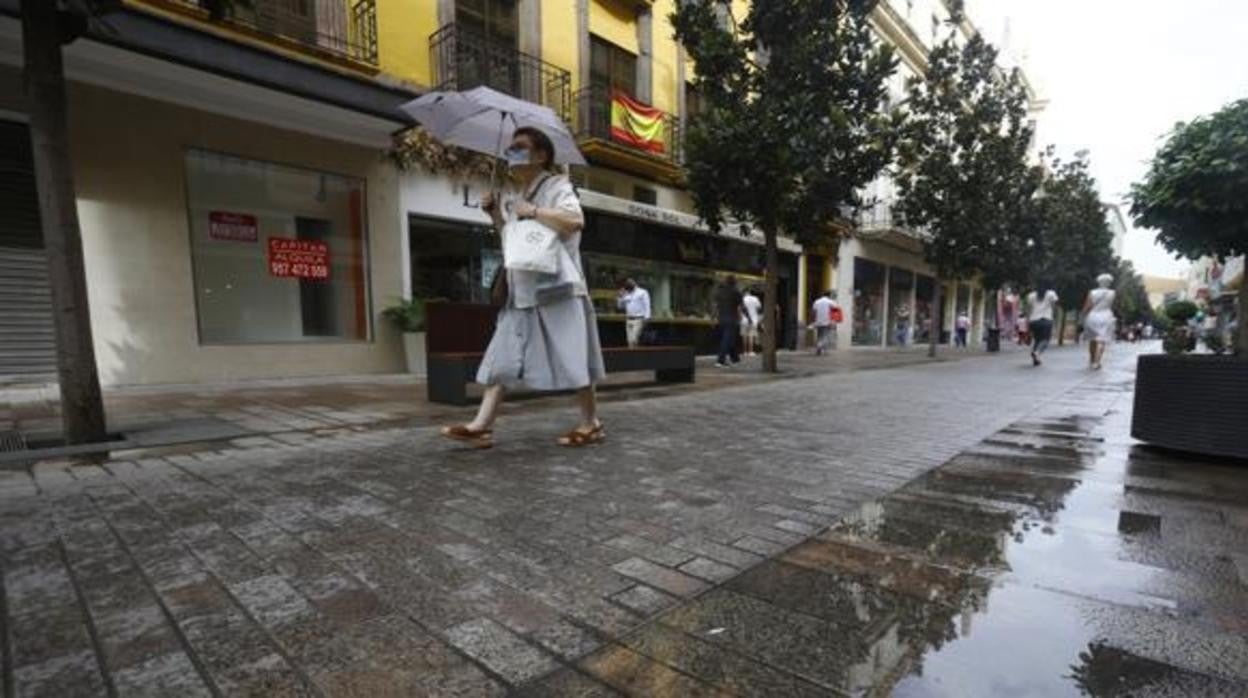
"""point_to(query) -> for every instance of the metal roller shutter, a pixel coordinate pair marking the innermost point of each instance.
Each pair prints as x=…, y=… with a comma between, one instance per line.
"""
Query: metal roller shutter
x=27, y=339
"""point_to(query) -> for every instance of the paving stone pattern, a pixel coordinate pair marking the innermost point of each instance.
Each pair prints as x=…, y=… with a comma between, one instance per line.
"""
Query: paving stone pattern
x=383, y=562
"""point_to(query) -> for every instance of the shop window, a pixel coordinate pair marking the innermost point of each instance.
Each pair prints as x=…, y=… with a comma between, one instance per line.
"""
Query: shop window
x=901, y=314
x=924, y=290
x=452, y=261
x=645, y=195
x=868, y=303
x=279, y=253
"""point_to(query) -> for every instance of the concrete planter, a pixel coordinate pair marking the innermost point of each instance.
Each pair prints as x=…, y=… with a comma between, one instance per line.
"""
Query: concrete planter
x=1192, y=402
x=414, y=351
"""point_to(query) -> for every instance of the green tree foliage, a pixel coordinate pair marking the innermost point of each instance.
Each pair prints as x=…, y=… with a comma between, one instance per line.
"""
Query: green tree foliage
x=1074, y=243
x=1195, y=193
x=1131, y=298
x=963, y=173
x=794, y=123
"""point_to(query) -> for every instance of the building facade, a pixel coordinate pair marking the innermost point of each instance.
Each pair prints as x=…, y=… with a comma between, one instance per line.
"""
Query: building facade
x=240, y=220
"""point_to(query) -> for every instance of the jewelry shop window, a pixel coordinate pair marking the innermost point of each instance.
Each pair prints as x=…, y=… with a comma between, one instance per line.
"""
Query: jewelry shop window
x=279, y=253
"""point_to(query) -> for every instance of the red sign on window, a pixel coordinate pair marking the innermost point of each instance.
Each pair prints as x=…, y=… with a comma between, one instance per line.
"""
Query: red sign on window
x=298, y=259
x=239, y=227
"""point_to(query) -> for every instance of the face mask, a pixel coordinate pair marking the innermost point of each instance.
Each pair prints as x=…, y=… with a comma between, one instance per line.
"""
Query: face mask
x=517, y=157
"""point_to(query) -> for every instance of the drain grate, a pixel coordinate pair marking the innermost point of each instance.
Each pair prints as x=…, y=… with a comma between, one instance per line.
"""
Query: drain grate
x=12, y=441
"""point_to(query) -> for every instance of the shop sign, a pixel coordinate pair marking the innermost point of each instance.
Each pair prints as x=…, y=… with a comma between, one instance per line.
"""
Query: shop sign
x=236, y=227
x=298, y=259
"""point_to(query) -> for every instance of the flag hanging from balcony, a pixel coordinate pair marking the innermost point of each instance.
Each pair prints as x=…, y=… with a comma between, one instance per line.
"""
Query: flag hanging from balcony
x=636, y=124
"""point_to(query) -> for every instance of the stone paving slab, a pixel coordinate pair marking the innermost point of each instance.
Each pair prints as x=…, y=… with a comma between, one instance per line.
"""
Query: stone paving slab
x=383, y=561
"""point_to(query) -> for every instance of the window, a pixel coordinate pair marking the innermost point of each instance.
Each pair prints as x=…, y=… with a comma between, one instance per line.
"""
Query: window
x=279, y=253
x=611, y=67
x=496, y=21
x=453, y=261
x=868, y=303
x=645, y=195
x=693, y=100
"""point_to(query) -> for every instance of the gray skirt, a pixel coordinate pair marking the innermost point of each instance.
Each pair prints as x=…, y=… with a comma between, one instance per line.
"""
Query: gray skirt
x=549, y=347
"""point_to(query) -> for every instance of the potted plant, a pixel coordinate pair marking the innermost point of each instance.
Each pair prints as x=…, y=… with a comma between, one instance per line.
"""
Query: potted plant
x=408, y=315
x=1195, y=195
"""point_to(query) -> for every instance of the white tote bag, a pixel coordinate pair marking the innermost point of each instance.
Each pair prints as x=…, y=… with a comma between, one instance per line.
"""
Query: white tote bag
x=530, y=246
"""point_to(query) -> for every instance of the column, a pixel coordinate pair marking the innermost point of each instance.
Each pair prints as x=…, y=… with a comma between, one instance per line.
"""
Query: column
x=645, y=58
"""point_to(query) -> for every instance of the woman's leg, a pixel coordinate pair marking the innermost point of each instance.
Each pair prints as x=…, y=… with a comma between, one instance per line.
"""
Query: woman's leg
x=488, y=412
x=1092, y=352
x=587, y=401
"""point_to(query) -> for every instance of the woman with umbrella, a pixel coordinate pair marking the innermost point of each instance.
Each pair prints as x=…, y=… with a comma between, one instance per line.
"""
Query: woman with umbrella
x=546, y=337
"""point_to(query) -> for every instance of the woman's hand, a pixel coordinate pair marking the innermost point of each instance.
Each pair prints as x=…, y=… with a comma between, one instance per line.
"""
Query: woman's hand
x=525, y=209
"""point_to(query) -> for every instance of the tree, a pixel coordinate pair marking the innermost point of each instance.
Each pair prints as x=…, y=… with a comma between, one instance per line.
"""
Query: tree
x=1073, y=243
x=963, y=174
x=1195, y=193
x=1131, y=298
x=794, y=123
x=46, y=26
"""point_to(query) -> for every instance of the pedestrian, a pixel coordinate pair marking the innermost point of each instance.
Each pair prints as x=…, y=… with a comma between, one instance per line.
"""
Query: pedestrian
x=546, y=335
x=750, y=321
x=1040, y=321
x=728, y=308
x=961, y=327
x=1098, y=319
x=825, y=312
x=635, y=302
x=902, y=329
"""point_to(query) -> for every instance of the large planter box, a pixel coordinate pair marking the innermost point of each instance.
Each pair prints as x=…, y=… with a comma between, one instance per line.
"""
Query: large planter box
x=1192, y=402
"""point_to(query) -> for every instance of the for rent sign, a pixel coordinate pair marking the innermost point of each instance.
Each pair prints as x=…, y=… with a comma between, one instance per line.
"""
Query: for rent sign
x=236, y=227
x=298, y=259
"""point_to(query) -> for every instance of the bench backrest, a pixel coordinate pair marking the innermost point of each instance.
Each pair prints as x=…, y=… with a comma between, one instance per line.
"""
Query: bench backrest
x=458, y=327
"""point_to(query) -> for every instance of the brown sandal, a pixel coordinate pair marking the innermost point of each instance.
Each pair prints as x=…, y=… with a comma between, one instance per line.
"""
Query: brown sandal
x=577, y=437
x=483, y=438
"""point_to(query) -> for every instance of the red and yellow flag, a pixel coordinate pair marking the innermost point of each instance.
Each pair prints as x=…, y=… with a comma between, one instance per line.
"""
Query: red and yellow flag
x=636, y=124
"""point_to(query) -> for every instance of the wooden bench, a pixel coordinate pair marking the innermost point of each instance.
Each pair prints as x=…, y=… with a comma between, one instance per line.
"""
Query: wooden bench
x=457, y=334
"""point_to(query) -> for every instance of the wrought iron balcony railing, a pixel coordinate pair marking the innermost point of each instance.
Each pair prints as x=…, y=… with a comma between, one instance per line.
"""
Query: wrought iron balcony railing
x=593, y=120
x=463, y=59
x=345, y=29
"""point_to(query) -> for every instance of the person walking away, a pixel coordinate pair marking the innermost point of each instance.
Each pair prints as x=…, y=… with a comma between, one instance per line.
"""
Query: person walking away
x=546, y=336
x=824, y=312
x=635, y=302
x=961, y=328
x=1040, y=322
x=1098, y=319
x=728, y=305
x=751, y=321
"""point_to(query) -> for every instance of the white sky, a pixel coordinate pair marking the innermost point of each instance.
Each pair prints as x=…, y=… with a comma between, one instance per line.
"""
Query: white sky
x=1119, y=74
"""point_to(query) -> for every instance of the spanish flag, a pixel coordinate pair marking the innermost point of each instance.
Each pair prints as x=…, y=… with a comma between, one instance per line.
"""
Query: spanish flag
x=636, y=124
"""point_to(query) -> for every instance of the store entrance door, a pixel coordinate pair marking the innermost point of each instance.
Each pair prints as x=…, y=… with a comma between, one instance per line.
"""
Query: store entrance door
x=27, y=337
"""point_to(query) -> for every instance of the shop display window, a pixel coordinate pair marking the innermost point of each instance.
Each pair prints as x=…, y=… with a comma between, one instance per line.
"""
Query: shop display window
x=453, y=261
x=900, y=312
x=278, y=252
x=868, y=303
x=924, y=289
x=677, y=292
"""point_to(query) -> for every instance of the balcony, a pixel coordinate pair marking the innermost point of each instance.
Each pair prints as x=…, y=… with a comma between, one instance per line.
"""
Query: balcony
x=342, y=31
x=463, y=60
x=593, y=129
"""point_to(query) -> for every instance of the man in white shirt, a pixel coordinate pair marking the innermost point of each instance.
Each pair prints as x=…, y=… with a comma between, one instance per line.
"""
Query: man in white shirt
x=753, y=308
x=825, y=312
x=635, y=302
x=1040, y=322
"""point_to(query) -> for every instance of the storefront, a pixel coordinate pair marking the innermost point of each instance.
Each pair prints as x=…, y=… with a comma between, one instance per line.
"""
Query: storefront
x=453, y=255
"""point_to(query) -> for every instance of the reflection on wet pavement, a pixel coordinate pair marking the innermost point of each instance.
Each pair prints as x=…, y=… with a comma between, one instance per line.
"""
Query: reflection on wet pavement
x=1055, y=558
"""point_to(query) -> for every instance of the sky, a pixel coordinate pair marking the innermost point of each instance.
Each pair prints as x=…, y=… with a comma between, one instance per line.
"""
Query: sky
x=1119, y=74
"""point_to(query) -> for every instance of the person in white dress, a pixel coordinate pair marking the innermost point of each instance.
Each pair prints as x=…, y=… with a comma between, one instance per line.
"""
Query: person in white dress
x=1098, y=319
x=751, y=315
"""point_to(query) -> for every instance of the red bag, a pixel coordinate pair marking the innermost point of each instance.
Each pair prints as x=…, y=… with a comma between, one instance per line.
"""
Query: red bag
x=837, y=316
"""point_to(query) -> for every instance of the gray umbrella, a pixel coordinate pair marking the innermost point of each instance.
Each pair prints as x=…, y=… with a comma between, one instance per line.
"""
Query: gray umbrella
x=482, y=120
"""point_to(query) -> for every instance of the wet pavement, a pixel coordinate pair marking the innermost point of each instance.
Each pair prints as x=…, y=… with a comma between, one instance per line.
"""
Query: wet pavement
x=976, y=528
x=1054, y=558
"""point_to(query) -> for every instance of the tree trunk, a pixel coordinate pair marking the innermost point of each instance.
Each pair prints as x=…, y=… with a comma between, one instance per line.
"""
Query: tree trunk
x=771, y=302
x=938, y=319
x=82, y=408
x=1061, y=327
x=1242, y=314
